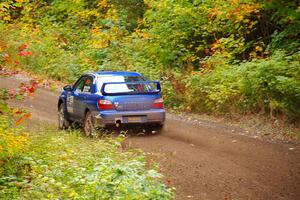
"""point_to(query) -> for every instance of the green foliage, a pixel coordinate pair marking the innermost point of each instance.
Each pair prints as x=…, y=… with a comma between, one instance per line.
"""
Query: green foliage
x=286, y=18
x=65, y=165
x=13, y=138
x=13, y=146
x=269, y=85
x=13, y=143
x=273, y=83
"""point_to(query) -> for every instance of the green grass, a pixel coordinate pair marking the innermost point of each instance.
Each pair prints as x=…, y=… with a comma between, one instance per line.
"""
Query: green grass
x=66, y=165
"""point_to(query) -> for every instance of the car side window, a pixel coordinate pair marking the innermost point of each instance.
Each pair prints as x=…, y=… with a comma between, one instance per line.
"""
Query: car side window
x=78, y=87
x=88, y=84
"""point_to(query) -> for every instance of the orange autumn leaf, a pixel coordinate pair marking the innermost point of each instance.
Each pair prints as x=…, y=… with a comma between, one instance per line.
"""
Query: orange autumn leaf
x=23, y=118
x=31, y=95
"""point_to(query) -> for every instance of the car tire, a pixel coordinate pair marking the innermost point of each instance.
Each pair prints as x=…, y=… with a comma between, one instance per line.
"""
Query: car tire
x=63, y=121
x=88, y=125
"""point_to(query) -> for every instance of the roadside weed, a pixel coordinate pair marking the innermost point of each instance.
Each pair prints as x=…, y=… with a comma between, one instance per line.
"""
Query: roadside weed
x=66, y=165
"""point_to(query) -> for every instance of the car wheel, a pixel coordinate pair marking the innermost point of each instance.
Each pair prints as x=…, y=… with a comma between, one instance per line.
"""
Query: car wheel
x=88, y=125
x=63, y=121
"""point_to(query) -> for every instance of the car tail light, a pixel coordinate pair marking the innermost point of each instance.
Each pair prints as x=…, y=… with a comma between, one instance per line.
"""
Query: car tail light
x=158, y=103
x=105, y=104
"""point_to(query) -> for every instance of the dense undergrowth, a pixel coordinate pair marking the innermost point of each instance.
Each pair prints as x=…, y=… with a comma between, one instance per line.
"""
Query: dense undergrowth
x=65, y=165
x=233, y=57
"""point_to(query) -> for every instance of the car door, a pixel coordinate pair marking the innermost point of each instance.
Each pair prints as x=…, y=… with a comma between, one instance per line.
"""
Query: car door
x=81, y=96
x=74, y=97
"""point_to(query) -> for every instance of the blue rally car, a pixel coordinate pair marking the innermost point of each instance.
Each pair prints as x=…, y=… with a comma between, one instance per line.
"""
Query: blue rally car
x=108, y=98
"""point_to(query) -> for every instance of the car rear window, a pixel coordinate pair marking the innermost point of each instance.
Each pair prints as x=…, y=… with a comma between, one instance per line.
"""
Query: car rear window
x=112, y=78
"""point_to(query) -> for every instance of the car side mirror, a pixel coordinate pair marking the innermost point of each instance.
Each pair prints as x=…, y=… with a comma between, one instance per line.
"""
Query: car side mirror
x=68, y=88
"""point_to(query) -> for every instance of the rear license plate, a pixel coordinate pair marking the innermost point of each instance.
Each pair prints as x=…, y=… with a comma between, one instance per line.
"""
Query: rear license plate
x=134, y=119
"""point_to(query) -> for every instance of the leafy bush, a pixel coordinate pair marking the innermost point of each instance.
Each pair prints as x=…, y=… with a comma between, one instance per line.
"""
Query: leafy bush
x=13, y=141
x=65, y=165
x=13, y=146
x=273, y=84
x=269, y=85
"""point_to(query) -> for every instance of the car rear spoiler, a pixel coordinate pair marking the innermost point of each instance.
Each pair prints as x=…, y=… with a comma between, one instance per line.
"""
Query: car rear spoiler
x=140, y=87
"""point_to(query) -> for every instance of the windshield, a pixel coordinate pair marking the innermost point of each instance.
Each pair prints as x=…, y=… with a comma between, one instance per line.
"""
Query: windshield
x=117, y=87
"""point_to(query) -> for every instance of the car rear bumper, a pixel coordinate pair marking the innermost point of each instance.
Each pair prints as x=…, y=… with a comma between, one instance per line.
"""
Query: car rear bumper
x=110, y=117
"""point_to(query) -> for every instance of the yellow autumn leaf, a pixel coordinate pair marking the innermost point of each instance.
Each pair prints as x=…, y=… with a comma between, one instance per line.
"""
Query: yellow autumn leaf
x=103, y=3
x=258, y=48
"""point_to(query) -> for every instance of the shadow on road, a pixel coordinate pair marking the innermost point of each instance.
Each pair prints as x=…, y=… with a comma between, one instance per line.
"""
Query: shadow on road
x=133, y=131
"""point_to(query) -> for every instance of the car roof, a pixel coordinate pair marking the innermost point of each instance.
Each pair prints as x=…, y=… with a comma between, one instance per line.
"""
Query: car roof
x=117, y=73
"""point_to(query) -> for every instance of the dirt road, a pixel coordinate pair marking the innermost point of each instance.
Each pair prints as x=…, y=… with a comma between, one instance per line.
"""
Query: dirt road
x=205, y=160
